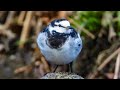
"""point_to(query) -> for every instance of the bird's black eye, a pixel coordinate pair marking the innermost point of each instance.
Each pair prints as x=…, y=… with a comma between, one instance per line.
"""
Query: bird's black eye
x=61, y=26
x=79, y=45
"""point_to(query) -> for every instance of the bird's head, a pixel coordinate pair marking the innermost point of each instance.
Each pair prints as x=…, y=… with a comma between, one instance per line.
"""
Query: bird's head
x=58, y=32
x=59, y=25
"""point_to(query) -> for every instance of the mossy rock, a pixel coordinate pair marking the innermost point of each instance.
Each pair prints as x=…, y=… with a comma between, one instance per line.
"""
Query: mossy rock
x=61, y=75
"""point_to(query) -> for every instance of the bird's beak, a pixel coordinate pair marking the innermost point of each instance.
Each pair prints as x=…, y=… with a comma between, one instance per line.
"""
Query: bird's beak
x=68, y=27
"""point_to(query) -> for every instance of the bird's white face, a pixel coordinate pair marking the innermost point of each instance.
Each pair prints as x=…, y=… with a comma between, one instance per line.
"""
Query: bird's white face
x=59, y=26
x=63, y=23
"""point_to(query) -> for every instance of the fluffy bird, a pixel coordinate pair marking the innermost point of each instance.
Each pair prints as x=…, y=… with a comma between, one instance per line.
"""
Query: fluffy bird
x=59, y=42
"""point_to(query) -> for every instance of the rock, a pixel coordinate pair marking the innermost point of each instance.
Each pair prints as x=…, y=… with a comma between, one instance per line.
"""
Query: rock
x=61, y=75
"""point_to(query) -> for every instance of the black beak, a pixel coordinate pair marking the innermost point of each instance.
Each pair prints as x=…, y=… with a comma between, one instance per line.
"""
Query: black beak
x=69, y=27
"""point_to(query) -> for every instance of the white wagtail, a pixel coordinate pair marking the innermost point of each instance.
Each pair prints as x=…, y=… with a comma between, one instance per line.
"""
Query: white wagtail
x=59, y=42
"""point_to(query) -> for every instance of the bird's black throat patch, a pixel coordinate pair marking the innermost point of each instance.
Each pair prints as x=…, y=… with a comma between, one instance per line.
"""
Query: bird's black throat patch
x=56, y=40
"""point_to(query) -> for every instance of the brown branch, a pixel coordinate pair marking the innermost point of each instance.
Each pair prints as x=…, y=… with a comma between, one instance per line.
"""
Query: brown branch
x=26, y=27
x=38, y=26
x=106, y=61
x=24, y=69
x=112, y=33
x=37, y=63
x=21, y=17
x=46, y=66
x=117, y=67
x=7, y=33
x=62, y=14
x=9, y=19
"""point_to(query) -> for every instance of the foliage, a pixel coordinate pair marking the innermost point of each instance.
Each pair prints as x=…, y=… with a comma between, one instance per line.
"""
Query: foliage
x=95, y=20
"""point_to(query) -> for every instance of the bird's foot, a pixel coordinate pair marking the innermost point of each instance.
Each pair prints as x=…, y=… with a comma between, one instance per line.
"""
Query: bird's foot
x=55, y=69
x=70, y=68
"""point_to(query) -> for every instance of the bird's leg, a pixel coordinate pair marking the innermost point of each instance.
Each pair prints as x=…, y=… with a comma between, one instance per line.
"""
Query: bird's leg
x=70, y=67
x=55, y=68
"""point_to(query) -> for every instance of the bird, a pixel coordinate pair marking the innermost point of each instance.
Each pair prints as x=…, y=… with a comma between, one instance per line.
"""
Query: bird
x=59, y=42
